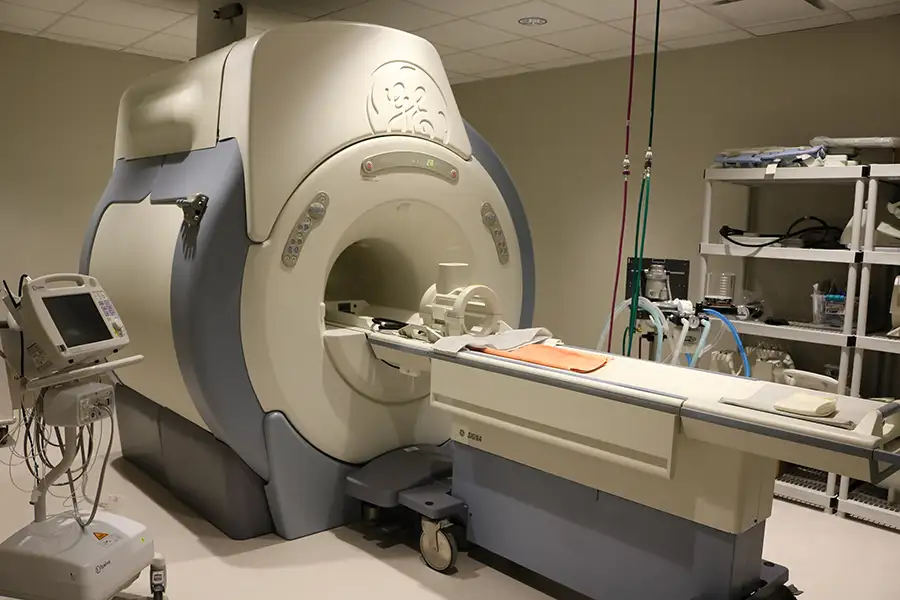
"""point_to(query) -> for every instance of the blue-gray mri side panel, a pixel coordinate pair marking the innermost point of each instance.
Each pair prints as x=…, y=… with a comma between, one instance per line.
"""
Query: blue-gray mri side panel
x=130, y=182
x=306, y=490
x=305, y=487
x=600, y=545
x=207, y=274
x=492, y=164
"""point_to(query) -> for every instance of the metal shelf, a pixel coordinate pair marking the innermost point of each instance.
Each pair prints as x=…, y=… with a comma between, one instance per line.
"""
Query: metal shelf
x=804, y=485
x=794, y=332
x=785, y=175
x=879, y=343
x=805, y=254
x=887, y=172
x=868, y=504
x=882, y=257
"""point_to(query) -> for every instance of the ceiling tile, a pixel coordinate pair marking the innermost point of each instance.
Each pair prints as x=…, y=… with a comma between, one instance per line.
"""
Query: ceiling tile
x=14, y=29
x=640, y=49
x=186, y=28
x=562, y=62
x=87, y=29
x=876, y=11
x=525, y=52
x=393, y=13
x=558, y=19
x=311, y=9
x=687, y=21
x=465, y=35
x=155, y=54
x=857, y=4
x=762, y=12
x=460, y=78
x=24, y=17
x=120, y=12
x=709, y=40
x=506, y=72
x=611, y=10
x=468, y=63
x=79, y=41
x=823, y=21
x=266, y=18
x=465, y=8
x=169, y=44
x=57, y=6
x=444, y=50
x=182, y=6
x=587, y=40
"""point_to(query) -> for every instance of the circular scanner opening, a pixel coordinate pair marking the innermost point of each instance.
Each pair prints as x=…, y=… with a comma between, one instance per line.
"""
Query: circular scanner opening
x=379, y=273
x=392, y=255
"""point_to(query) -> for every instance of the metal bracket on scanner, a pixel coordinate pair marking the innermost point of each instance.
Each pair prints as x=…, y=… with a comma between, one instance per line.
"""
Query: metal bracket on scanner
x=193, y=206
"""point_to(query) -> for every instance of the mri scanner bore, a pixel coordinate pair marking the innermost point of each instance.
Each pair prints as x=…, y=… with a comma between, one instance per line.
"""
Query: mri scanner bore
x=295, y=329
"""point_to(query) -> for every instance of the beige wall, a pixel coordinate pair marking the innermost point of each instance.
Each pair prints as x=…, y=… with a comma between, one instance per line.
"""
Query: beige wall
x=560, y=133
x=58, y=105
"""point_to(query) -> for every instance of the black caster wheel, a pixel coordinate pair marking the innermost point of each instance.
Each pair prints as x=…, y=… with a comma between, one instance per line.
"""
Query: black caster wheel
x=782, y=593
x=438, y=547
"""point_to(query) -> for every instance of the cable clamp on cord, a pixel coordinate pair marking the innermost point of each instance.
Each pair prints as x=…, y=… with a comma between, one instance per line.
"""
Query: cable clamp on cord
x=626, y=166
x=648, y=162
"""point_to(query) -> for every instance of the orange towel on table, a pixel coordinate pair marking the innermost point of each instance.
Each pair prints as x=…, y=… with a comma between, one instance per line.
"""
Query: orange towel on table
x=553, y=356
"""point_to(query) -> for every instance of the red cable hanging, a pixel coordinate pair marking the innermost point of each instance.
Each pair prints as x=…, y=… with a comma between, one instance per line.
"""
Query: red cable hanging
x=626, y=171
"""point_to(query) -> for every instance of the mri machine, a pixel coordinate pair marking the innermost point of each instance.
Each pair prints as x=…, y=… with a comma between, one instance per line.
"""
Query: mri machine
x=271, y=200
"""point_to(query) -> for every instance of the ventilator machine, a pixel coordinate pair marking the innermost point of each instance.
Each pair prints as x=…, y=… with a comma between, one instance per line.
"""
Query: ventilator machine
x=330, y=275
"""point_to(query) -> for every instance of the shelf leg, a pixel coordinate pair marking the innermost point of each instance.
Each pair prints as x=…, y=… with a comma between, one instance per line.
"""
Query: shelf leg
x=830, y=491
x=864, y=285
x=843, y=494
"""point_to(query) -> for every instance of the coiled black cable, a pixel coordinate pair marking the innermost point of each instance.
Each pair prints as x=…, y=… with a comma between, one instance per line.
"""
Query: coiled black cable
x=728, y=233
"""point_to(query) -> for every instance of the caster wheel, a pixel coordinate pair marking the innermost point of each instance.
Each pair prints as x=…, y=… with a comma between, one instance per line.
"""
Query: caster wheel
x=782, y=593
x=439, y=549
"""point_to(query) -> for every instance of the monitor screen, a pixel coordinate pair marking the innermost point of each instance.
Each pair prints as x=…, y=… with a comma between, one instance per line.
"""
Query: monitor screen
x=78, y=319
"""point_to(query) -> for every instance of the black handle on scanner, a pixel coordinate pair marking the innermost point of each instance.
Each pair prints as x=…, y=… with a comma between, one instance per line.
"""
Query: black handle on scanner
x=888, y=409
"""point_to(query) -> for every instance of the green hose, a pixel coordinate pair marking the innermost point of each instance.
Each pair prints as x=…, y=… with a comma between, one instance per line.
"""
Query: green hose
x=640, y=234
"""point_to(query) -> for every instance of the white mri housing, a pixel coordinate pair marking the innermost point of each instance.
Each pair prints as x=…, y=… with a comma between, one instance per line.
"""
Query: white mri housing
x=336, y=167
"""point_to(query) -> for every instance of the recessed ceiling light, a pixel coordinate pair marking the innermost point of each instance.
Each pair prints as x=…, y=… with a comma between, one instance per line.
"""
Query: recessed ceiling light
x=532, y=21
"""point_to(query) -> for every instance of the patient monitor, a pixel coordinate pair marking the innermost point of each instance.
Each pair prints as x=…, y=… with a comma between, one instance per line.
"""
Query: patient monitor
x=338, y=175
x=60, y=331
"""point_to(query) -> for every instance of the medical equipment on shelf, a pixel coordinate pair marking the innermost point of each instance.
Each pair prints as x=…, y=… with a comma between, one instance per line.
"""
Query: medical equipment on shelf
x=820, y=235
x=737, y=338
x=886, y=234
x=797, y=156
x=60, y=331
x=657, y=287
x=810, y=380
x=662, y=279
x=768, y=362
x=289, y=347
x=856, y=143
x=720, y=289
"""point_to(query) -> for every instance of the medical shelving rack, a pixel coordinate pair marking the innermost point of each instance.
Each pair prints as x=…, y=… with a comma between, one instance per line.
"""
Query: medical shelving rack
x=865, y=501
x=800, y=484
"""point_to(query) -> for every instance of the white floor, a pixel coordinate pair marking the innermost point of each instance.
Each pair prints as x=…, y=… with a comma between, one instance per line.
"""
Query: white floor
x=829, y=558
